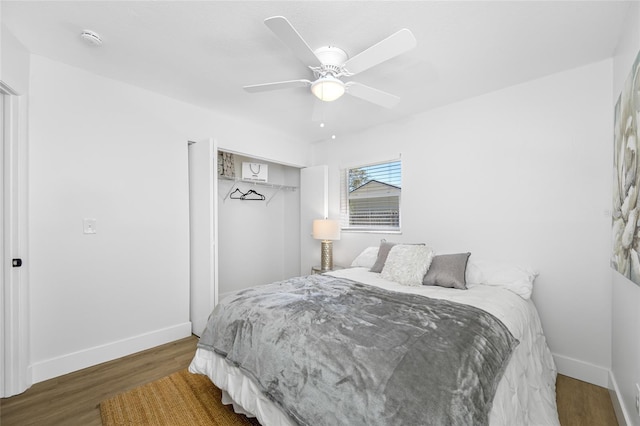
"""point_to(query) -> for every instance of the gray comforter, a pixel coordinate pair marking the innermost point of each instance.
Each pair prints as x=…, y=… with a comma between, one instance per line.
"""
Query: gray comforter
x=331, y=351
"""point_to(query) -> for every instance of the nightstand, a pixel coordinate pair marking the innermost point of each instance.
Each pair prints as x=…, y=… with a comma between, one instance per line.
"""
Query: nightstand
x=318, y=269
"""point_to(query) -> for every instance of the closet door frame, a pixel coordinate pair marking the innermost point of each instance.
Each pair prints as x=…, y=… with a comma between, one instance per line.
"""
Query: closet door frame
x=203, y=232
x=314, y=204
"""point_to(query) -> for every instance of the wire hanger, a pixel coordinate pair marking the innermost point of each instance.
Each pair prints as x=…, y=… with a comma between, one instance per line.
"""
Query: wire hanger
x=239, y=195
x=252, y=195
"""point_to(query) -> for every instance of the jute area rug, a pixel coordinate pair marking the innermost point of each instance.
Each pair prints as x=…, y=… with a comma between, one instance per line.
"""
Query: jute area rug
x=179, y=399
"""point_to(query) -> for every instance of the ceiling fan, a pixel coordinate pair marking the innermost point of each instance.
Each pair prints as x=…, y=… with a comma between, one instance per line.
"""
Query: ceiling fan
x=330, y=63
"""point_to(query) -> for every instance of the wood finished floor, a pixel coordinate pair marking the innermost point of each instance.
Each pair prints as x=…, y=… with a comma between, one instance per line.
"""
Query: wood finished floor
x=73, y=399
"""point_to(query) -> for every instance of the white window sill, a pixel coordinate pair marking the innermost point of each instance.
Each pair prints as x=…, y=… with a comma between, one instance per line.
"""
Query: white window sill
x=371, y=231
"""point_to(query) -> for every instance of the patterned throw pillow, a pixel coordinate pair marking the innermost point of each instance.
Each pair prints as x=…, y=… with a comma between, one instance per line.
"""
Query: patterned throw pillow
x=383, y=252
x=407, y=264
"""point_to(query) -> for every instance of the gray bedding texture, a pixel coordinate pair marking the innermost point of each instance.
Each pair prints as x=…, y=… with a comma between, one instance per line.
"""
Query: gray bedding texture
x=332, y=351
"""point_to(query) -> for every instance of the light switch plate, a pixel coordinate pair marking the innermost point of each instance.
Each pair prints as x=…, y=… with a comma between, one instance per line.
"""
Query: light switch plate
x=89, y=226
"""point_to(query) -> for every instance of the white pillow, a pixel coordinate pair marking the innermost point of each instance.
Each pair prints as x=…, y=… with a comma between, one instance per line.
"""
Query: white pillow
x=367, y=258
x=515, y=278
x=407, y=264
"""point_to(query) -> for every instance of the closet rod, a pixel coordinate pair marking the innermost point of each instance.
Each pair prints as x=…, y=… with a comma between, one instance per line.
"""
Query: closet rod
x=237, y=181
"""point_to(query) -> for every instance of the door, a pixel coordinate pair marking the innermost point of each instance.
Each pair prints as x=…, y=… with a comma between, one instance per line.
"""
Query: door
x=14, y=320
x=203, y=224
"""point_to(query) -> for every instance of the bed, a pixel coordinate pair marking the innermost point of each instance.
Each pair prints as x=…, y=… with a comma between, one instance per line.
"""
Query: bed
x=345, y=378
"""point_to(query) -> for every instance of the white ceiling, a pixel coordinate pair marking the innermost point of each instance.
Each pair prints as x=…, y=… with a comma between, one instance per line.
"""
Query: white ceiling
x=203, y=52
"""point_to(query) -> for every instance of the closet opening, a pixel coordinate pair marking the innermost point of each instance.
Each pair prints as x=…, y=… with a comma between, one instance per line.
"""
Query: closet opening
x=259, y=221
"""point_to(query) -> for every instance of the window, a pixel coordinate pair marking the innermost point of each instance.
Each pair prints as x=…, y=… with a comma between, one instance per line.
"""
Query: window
x=370, y=197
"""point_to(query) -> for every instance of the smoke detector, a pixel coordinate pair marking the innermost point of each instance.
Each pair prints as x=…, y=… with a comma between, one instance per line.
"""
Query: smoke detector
x=91, y=37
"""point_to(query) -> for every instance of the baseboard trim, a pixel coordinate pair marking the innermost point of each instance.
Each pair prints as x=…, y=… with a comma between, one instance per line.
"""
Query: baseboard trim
x=622, y=414
x=581, y=370
x=55, y=367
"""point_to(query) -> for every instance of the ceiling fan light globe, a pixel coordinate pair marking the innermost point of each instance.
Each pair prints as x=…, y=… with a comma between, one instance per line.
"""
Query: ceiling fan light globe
x=327, y=89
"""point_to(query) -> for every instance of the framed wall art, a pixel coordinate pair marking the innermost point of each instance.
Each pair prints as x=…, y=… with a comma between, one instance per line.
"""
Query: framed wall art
x=626, y=179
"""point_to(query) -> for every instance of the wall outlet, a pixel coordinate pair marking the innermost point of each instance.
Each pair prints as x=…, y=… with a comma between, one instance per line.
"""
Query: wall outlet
x=638, y=399
x=89, y=226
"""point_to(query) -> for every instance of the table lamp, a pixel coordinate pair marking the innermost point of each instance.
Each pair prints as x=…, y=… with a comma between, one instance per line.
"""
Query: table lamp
x=327, y=231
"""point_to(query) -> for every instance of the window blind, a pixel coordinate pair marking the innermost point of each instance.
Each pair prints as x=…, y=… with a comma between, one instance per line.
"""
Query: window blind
x=370, y=196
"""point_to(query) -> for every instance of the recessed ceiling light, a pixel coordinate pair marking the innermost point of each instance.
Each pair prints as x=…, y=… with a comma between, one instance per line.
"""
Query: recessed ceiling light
x=333, y=136
x=321, y=124
x=91, y=37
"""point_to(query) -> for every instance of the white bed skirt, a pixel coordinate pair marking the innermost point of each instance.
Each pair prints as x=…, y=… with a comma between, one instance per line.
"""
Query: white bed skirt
x=238, y=389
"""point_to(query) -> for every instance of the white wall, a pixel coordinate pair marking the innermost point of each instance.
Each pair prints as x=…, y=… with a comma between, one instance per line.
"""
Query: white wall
x=258, y=240
x=626, y=294
x=522, y=175
x=14, y=66
x=106, y=150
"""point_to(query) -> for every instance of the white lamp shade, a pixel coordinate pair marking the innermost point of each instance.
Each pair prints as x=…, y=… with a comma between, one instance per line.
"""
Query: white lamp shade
x=327, y=88
x=325, y=229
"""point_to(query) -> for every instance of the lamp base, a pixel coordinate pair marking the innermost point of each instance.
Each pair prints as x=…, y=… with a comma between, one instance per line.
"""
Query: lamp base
x=326, y=255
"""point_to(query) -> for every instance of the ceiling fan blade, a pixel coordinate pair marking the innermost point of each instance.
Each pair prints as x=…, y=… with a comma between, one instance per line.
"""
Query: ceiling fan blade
x=283, y=29
x=277, y=85
x=372, y=95
x=392, y=46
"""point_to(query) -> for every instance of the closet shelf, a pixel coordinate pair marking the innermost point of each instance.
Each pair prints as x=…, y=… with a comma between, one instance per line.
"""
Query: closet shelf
x=237, y=181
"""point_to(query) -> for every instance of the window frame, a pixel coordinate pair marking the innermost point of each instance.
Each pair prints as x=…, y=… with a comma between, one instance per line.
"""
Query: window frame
x=345, y=207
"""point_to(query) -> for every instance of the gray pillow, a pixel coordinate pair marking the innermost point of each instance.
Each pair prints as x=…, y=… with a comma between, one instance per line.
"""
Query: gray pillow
x=383, y=252
x=448, y=270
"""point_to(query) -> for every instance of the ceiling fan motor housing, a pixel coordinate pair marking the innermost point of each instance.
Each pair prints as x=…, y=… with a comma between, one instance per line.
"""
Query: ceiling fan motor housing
x=332, y=58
